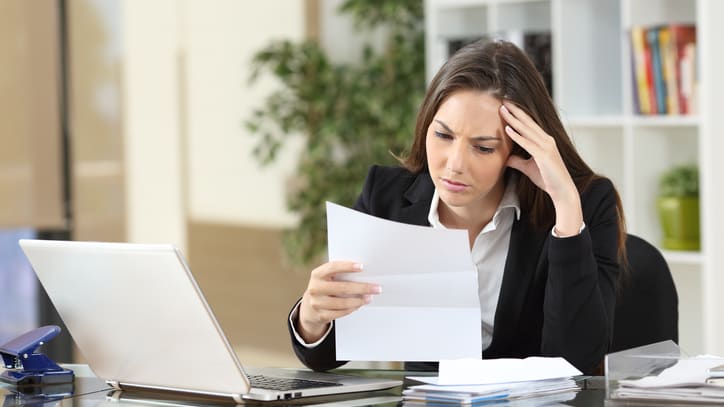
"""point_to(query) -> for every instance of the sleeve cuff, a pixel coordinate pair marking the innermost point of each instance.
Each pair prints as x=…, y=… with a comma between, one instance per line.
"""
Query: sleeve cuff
x=553, y=231
x=294, y=316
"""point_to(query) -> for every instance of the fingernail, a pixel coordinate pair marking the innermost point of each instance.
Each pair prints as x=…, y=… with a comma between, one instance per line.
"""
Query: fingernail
x=368, y=299
x=358, y=266
x=376, y=289
x=503, y=108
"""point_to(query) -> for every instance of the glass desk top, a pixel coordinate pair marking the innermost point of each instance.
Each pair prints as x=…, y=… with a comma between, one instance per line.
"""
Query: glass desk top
x=87, y=390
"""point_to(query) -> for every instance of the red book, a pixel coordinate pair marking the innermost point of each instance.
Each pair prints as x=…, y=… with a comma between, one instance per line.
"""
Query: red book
x=684, y=38
x=649, y=69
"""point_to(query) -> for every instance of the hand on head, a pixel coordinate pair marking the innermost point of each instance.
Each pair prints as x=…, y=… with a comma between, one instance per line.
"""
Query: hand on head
x=545, y=167
x=328, y=298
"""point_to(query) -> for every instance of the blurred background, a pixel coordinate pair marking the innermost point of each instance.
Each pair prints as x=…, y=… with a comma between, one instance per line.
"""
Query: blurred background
x=201, y=123
x=124, y=121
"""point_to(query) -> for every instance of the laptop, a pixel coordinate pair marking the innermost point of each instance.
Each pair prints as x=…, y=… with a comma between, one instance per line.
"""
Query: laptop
x=141, y=322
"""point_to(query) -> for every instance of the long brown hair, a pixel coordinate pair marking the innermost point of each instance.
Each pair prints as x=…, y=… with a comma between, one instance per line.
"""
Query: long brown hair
x=502, y=70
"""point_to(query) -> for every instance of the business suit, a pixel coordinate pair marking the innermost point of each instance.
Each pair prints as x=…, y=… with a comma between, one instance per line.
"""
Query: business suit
x=558, y=294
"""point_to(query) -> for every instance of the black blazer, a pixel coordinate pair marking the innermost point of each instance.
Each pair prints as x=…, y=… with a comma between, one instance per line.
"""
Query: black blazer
x=558, y=294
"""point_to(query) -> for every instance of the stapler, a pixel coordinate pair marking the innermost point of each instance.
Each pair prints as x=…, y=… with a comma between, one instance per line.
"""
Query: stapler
x=26, y=367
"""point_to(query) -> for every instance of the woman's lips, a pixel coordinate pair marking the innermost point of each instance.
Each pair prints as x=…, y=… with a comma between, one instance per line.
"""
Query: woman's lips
x=453, y=186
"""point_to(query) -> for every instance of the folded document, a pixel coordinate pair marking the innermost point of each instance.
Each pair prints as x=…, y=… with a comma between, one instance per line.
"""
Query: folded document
x=429, y=290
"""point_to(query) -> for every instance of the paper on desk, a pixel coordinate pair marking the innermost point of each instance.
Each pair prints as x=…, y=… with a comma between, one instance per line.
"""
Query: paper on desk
x=686, y=372
x=428, y=309
x=685, y=381
x=495, y=371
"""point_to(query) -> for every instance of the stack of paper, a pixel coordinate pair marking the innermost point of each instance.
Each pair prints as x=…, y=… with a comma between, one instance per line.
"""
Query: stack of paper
x=562, y=389
x=689, y=380
x=469, y=382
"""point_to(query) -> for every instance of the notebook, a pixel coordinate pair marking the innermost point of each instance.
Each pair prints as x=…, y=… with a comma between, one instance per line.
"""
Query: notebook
x=141, y=322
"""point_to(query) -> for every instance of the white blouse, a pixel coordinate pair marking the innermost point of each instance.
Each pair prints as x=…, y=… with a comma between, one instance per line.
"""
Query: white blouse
x=489, y=253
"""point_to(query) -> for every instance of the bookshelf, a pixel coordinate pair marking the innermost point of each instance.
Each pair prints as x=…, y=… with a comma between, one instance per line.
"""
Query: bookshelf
x=592, y=86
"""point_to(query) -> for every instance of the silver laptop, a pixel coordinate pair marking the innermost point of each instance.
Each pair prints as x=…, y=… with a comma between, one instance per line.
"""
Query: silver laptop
x=141, y=322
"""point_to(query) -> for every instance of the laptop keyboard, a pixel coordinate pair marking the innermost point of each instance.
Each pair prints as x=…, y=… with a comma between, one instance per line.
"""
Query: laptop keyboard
x=284, y=383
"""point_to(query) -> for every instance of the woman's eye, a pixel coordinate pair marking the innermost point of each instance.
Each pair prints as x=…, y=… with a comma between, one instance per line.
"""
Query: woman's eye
x=443, y=136
x=483, y=149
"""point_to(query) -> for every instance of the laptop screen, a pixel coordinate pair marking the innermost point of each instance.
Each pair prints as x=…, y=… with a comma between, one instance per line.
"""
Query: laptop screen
x=137, y=315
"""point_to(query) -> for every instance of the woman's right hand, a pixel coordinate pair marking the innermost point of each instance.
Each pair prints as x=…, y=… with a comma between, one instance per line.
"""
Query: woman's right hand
x=328, y=298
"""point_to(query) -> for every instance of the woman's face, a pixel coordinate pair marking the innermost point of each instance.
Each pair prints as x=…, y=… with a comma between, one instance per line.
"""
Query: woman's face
x=467, y=151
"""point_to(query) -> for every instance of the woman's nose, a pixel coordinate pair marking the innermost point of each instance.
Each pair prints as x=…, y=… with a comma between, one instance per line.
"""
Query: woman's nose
x=456, y=159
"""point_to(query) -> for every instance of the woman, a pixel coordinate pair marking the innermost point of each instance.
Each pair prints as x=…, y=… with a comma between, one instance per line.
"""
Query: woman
x=490, y=155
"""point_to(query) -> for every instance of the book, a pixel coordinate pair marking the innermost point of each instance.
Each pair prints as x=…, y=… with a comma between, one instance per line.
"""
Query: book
x=652, y=37
x=683, y=39
x=669, y=59
x=664, y=73
x=640, y=79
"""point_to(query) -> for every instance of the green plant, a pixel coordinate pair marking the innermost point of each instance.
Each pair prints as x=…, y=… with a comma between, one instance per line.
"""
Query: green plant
x=678, y=206
x=351, y=115
x=680, y=181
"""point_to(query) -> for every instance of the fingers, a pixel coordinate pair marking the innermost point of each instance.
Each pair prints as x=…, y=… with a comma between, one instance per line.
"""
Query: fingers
x=342, y=289
x=525, y=131
x=324, y=280
x=323, y=309
x=328, y=270
x=328, y=298
x=546, y=167
x=519, y=119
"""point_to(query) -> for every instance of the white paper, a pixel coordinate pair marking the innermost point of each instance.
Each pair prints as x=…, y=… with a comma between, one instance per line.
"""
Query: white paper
x=428, y=309
x=516, y=388
x=496, y=371
x=685, y=381
x=686, y=372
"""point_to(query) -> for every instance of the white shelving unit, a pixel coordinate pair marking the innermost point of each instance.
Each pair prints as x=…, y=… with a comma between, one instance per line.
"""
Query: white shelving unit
x=592, y=88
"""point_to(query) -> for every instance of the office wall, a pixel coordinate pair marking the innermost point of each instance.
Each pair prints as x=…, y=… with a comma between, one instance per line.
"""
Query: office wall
x=226, y=183
x=190, y=176
x=186, y=97
x=152, y=122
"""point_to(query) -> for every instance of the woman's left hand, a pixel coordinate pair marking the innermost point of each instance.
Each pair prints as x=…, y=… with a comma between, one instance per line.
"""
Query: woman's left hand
x=545, y=167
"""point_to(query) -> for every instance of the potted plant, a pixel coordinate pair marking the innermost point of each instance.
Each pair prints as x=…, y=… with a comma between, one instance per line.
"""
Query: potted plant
x=350, y=115
x=678, y=206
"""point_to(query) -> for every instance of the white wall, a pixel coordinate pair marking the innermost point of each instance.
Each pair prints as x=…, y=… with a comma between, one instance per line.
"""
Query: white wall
x=185, y=100
x=339, y=37
x=226, y=183
x=151, y=122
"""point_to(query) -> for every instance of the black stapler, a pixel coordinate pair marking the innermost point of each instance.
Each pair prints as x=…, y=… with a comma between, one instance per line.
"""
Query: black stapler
x=26, y=367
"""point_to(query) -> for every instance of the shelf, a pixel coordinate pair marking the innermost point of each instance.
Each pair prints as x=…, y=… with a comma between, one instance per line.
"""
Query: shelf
x=592, y=89
x=665, y=121
x=682, y=257
x=442, y=5
x=594, y=121
x=603, y=121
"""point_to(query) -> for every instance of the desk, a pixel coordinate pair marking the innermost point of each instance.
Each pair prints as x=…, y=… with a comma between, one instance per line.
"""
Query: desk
x=88, y=390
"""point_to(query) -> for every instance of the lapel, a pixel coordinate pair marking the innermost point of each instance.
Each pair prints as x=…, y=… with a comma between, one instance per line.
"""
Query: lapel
x=524, y=256
x=419, y=197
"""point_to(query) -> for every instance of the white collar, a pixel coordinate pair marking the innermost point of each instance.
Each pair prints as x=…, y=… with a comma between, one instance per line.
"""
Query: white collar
x=509, y=200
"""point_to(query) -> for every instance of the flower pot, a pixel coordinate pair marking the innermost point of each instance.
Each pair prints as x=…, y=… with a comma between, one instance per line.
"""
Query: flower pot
x=679, y=222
